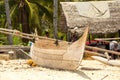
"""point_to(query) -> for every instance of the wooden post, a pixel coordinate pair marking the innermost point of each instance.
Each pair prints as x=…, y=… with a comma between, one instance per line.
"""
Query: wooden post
x=55, y=19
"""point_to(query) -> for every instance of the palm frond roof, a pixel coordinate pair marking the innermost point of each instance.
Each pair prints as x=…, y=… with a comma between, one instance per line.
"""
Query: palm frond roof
x=100, y=16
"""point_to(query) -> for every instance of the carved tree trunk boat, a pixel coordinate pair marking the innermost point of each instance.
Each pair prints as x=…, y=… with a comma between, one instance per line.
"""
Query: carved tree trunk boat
x=106, y=61
x=63, y=56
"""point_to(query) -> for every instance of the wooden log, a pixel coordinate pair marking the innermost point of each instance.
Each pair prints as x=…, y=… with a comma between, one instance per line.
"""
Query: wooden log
x=103, y=50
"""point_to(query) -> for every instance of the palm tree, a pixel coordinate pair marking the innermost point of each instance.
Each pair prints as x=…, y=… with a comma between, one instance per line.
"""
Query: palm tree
x=30, y=14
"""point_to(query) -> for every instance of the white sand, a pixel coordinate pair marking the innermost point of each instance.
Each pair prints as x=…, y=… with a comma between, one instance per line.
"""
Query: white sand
x=89, y=70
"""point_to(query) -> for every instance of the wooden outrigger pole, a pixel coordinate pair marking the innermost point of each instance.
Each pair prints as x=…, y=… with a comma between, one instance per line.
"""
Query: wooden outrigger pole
x=107, y=39
x=21, y=34
x=103, y=50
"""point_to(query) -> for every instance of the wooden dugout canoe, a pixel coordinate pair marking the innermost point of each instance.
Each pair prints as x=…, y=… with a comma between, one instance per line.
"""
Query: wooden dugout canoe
x=63, y=56
x=106, y=61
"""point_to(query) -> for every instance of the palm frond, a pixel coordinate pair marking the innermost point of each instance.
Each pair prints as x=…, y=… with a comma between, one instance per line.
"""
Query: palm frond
x=34, y=20
x=30, y=8
x=45, y=9
x=1, y=2
x=12, y=10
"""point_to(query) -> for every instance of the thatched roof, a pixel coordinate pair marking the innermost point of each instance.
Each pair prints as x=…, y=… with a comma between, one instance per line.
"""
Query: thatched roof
x=100, y=16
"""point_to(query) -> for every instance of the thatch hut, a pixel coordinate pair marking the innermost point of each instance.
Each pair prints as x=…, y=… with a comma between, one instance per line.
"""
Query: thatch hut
x=101, y=16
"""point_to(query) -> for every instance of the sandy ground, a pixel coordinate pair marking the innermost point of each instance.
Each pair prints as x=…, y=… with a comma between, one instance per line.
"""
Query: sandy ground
x=88, y=70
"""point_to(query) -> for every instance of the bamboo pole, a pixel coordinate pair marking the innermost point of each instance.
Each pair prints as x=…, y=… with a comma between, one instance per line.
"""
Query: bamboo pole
x=104, y=50
x=106, y=39
x=12, y=47
x=20, y=34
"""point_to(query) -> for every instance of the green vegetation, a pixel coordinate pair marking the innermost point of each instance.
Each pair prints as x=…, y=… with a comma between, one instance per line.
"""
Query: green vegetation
x=28, y=15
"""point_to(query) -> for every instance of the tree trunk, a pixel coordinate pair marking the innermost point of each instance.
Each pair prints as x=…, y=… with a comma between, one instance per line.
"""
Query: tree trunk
x=24, y=19
x=10, y=39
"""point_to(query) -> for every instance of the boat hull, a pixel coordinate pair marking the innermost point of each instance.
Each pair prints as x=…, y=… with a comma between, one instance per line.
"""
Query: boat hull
x=62, y=56
x=55, y=61
x=106, y=61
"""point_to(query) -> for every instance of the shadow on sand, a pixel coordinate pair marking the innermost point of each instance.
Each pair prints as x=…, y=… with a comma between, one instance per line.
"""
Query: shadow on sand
x=82, y=74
